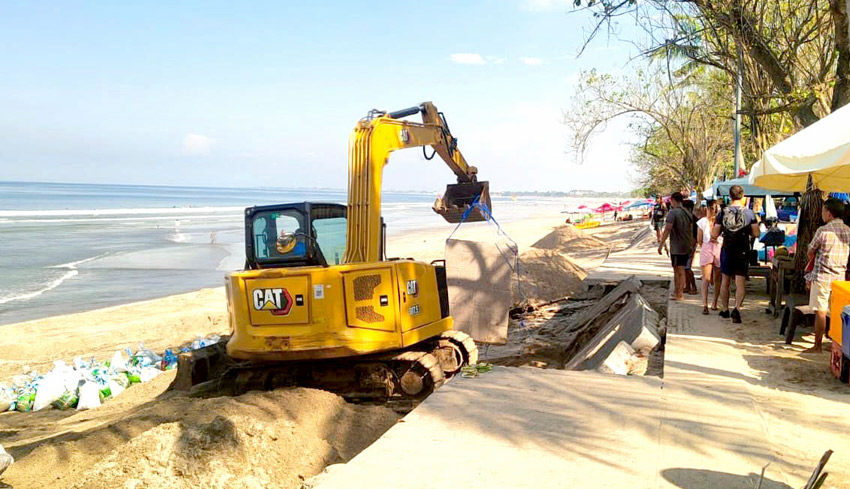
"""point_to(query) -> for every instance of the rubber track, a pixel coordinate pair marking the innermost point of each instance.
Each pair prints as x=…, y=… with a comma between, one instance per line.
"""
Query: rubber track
x=428, y=361
x=464, y=341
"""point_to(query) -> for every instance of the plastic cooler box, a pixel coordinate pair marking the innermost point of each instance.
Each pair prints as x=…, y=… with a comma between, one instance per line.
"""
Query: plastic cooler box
x=839, y=330
x=839, y=326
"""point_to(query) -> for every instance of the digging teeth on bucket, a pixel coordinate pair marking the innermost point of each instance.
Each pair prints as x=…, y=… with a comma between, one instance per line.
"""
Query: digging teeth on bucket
x=459, y=197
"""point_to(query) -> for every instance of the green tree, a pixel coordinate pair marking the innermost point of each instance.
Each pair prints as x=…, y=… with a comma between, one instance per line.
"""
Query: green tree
x=684, y=139
x=796, y=57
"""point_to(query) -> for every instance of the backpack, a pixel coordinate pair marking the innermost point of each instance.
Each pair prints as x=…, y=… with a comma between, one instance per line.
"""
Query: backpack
x=736, y=229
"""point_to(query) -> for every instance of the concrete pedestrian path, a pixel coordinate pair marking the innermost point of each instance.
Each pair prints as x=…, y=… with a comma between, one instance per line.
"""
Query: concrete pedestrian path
x=721, y=412
x=515, y=428
x=641, y=259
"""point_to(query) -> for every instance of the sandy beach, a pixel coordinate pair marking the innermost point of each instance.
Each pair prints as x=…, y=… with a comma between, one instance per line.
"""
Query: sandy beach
x=175, y=320
x=152, y=437
x=83, y=449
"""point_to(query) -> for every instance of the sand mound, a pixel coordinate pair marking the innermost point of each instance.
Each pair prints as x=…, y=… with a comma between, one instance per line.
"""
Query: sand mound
x=567, y=239
x=547, y=275
x=257, y=440
x=559, y=237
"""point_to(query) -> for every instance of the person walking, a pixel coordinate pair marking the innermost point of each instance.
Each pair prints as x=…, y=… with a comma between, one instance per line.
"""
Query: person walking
x=709, y=255
x=829, y=248
x=737, y=225
x=679, y=228
x=690, y=279
x=659, y=217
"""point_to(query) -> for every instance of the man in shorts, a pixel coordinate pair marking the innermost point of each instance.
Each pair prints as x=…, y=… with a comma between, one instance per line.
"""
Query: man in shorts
x=679, y=227
x=690, y=279
x=830, y=247
x=659, y=216
x=738, y=225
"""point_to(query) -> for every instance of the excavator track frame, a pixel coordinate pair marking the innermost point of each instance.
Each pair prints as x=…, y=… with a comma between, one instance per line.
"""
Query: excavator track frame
x=398, y=379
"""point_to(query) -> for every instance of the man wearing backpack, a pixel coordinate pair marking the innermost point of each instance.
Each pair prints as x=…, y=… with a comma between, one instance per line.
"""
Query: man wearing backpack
x=738, y=225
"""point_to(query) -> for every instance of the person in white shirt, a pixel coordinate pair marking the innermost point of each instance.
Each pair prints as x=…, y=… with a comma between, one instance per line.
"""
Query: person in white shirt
x=709, y=255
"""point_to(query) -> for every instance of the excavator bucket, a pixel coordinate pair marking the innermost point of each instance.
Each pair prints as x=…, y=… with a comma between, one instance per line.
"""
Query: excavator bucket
x=458, y=201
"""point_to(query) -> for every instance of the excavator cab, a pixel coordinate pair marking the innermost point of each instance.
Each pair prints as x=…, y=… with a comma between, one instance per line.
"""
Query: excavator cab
x=294, y=235
x=459, y=199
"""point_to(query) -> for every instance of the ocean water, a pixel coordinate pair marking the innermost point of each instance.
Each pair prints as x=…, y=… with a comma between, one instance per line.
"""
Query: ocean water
x=74, y=247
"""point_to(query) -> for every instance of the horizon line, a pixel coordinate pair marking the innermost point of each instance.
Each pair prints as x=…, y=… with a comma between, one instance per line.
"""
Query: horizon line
x=333, y=189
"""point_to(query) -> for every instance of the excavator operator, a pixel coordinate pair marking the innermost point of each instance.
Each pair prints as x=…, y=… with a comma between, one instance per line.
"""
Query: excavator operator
x=291, y=243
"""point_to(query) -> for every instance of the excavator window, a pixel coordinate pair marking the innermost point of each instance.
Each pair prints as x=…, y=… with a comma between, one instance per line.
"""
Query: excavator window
x=329, y=230
x=280, y=234
x=294, y=235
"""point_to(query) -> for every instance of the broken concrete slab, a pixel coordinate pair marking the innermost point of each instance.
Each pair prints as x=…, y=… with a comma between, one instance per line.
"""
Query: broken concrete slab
x=479, y=282
x=619, y=359
x=636, y=319
x=628, y=286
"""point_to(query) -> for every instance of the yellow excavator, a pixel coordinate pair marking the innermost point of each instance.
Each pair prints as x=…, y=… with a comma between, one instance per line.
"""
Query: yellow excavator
x=320, y=305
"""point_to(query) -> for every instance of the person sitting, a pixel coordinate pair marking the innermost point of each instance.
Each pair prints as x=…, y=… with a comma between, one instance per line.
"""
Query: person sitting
x=291, y=243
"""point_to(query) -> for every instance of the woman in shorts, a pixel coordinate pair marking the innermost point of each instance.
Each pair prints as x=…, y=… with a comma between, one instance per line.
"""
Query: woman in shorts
x=709, y=255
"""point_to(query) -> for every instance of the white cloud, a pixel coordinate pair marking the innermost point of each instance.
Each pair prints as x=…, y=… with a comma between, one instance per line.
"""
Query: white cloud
x=495, y=60
x=532, y=61
x=468, y=59
x=197, y=145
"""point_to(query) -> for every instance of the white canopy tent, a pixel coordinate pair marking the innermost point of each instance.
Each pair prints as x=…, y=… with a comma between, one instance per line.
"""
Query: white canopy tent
x=822, y=150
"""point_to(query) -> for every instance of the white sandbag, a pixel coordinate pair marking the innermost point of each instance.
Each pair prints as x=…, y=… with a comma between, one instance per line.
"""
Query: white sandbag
x=5, y=399
x=5, y=461
x=149, y=373
x=50, y=388
x=118, y=362
x=89, y=396
x=115, y=388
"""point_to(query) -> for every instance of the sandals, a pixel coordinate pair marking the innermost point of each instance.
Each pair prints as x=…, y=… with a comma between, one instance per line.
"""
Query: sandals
x=705, y=310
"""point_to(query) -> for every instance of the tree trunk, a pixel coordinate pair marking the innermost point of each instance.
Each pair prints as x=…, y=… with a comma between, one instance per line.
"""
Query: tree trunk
x=841, y=25
x=808, y=222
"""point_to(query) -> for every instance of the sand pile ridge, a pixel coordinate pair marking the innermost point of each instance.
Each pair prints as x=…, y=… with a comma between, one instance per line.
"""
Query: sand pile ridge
x=274, y=439
x=257, y=440
x=546, y=270
x=567, y=239
x=547, y=275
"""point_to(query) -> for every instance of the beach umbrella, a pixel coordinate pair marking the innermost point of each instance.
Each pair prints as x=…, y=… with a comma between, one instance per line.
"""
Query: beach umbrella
x=821, y=150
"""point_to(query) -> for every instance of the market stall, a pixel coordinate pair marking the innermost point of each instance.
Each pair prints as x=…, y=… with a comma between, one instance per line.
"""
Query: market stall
x=820, y=152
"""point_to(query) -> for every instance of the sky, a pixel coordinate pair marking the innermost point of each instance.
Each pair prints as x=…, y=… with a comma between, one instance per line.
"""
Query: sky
x=266, y=93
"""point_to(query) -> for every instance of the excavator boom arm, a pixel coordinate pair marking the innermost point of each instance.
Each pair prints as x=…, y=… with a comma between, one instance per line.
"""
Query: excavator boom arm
x=370, y=145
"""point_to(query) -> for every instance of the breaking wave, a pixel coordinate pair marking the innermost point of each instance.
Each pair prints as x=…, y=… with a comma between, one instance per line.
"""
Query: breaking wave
x=49, y=286
x=119, y=212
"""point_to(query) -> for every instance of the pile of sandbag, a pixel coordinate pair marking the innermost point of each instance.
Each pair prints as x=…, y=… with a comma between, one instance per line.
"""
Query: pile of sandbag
x=87, y=384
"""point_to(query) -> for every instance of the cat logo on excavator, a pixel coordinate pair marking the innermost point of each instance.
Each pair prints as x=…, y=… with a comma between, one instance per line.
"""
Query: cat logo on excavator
x=278, y=301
